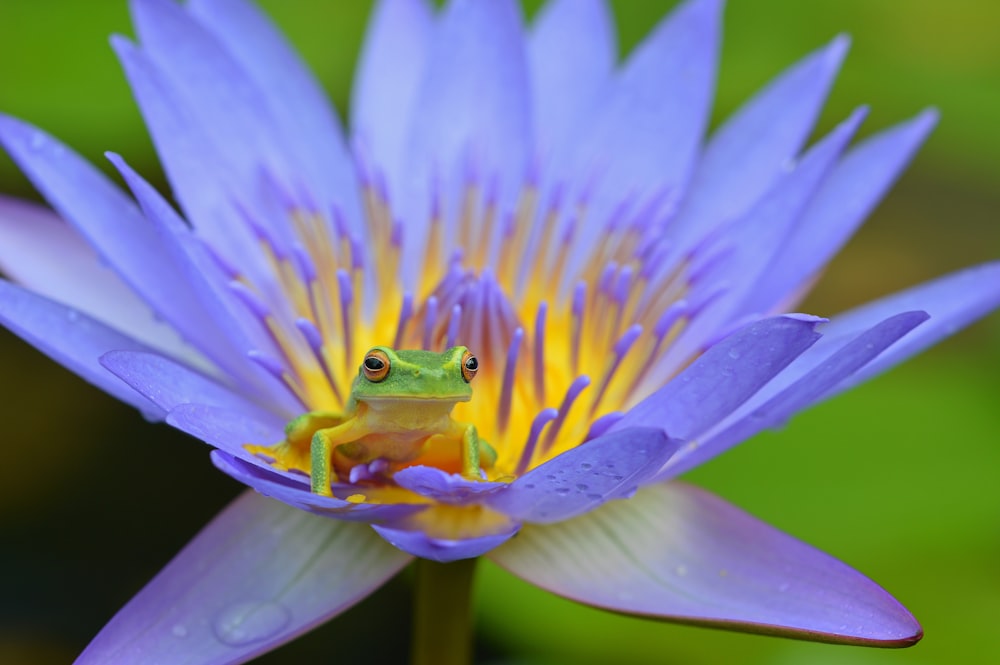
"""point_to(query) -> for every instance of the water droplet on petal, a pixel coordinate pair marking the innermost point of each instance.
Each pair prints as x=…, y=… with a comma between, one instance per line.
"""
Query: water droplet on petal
x=585, y=466
x=594, y=497
x=734, y=354
x=582, y=487
x=37, y=141
x=246, y=623
x=179, y=630
x=550, y=477
x=563, y=491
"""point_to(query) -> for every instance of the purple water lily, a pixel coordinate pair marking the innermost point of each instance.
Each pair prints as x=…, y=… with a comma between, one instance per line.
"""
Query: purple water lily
x=512, y=190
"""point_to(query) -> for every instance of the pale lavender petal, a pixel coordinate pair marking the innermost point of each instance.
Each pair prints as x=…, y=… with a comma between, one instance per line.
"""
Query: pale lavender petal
x=212, y=90
x=771, y=408
x=646, y=132
x=418, y=543
x=748, y=152
x=305, y=122
x=723, y=377
x=445, y=487
x=389, y=73
x=108, y=221
x=571, y=55
x=678, y=553
x=257, y=576
x=953, y=302
x=752, y=241
x=46, y=255
x=295, y=492
x=852, y=190
x=234, y=330
x=227, y=429
x=610, y=467
x=169, y=384
x=476, y=61
x=71, y=338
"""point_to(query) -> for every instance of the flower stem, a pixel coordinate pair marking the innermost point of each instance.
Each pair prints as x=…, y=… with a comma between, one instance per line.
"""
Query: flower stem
x=442, y=623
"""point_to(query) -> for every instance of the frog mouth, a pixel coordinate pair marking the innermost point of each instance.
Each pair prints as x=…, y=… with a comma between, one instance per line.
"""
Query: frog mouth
x=417, y=398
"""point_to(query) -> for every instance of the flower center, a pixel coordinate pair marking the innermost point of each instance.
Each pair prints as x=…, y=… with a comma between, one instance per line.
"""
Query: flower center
x=568, y=331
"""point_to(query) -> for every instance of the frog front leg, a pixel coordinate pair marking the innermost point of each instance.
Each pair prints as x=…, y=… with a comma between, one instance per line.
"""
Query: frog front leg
x=476, y=453
x=324, y=441
x=294, y=451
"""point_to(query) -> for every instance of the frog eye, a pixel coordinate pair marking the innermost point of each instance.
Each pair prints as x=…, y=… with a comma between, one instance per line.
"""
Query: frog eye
x=375, y=366
x=469, y=366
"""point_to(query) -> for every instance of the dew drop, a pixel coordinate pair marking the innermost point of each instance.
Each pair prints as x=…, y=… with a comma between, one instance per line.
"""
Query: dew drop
x=617, y=478
x=582, y=487
x=179, y=630
x=246, y=623
x=594, y=497
x=563, y=491
x=734, y=354
x=585, y=466
x=37, y=141
x=551, y=476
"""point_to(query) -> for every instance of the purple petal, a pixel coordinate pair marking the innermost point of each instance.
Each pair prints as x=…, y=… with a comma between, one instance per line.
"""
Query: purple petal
x=304, y=121
x=851, y=191
x=953, y=302
x=571, y=53
x=72, y=339
x=295, y=492
x=46, y=255
x=108, y=220
x=747, y=153
x=646, y=132
x=757, y=414
x=168, y=384
x=229, y=329
x=227, y=429
x=754, y=239
x=581, y=479
x=257, y=576
x=723, y=377
x=418, y=543
x=389, y=73
x=678, y=553
x=476, y=61
x=444, y=487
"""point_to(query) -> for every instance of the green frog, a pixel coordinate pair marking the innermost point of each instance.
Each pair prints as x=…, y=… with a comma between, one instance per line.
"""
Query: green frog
x=399, y=409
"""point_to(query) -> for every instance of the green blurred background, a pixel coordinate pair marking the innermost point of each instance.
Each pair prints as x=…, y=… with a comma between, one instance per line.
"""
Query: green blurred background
x=898, y=478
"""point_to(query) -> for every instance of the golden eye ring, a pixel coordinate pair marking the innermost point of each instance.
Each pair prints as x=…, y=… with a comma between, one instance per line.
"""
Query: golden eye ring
x=469, y=366
x=375, y=366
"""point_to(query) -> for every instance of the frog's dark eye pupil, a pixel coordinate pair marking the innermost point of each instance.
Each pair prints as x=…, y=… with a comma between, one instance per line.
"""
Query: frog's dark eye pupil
x=472, y=364
x=373, y=363
x=469, y=366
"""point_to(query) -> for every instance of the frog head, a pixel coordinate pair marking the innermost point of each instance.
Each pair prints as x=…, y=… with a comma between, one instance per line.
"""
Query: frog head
x=387, y=375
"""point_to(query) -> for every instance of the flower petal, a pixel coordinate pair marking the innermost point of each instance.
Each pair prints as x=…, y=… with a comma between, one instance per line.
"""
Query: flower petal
x=168, y=384
x=295, y=492
x=610, y=467
x=445, y=487
x=390, y=69
x=72, y=339
x=747, y=153
x=953, y=302
x=723, y=377
x=46, y=255
x=108, y=221
x=571, y=54
x=418, y=543
x=476, y=61
x=304, y=121
x=225, y=428
x=257, y=576
x=782, y=398
x=678, y=553
x=646, y=131
x=851, y=191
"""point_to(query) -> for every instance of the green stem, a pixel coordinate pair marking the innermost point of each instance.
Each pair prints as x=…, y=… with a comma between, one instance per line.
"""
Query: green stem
x=442, y=622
